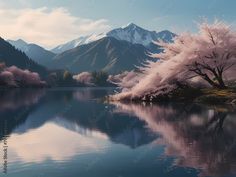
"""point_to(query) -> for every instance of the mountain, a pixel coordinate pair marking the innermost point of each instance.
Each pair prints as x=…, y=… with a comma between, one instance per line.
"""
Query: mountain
x=107, y=54
x=137, y=35
x=33, y=51
x=77, y=42
x=131, y=33
x=11, y=56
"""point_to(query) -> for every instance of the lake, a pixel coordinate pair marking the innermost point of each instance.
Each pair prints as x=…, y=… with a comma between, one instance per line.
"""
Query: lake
x=73, y=132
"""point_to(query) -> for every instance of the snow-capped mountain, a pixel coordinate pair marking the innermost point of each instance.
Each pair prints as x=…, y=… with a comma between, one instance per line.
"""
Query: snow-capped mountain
x=33, y=51
x=130, y=33
x=137, y=35
x=77, y=42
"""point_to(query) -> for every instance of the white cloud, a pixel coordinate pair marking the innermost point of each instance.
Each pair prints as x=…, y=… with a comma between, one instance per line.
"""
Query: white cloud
x=47, y=27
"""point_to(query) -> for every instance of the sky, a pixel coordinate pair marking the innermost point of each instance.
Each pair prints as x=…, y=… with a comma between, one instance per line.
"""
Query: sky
x=52, y=22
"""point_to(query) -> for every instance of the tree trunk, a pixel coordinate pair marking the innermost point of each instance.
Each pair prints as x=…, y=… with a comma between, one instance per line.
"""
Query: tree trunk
x=218, y=74
x=212, y=83
x=221, y=82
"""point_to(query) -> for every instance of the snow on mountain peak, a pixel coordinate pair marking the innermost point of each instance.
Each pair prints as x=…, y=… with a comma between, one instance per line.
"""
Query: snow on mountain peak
x=134, y=34
x=77, y=42
x=131, y=33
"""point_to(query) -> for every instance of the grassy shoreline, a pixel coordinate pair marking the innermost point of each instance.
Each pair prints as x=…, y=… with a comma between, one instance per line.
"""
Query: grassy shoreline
x=210, y=96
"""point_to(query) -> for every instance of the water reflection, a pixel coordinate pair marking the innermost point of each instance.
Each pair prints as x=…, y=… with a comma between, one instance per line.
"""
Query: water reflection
x=13, y=99
x=199, y=137
x=84, y=124
x=74, y=126
x=46, y=143
x=15, y=106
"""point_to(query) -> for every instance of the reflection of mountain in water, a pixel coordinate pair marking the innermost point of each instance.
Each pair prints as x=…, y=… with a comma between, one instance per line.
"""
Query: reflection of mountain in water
x=199, y=137
x=80, y=111
x=15, y=107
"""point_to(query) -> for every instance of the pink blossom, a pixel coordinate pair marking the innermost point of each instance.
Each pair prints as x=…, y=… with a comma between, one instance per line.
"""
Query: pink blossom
x=84, y=78
x=13, y=76
x=214, y=46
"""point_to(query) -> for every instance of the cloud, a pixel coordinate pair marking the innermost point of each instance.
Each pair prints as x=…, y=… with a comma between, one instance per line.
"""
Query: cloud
x=47, y=27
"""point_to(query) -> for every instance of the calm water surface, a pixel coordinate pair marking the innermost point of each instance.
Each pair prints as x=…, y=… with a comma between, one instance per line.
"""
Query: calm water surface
x=72, y=132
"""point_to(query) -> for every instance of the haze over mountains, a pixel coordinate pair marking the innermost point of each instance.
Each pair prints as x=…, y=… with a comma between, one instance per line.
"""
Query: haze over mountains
x=118, y=50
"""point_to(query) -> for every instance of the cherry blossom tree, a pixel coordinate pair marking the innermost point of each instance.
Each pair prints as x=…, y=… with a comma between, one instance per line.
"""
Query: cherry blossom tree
x=16, y=77
x=208, y=58
x=85, y=78
x=125, y=80
x=209, y=54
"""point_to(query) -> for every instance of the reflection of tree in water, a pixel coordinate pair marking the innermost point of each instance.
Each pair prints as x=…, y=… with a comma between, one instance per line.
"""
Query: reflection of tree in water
x=215, y=124
x=15, y=106
x=96, y=116
x=86, y=94
x=15, y=98
x=199, y=137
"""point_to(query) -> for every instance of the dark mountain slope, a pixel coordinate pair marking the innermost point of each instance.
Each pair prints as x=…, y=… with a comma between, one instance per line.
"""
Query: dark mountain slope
x=11, y=56
x=33, y=51
x=107, y=54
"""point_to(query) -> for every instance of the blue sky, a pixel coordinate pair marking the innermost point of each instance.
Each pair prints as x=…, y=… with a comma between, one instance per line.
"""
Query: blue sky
x=174, y=15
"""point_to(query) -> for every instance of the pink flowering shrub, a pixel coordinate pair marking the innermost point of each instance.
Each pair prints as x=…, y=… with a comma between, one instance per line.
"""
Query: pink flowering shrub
x=84, y=78
x=16, y=77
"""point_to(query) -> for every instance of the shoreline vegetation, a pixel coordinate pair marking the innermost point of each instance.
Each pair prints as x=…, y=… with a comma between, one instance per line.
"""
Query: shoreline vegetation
x=207, y=96
x=198, y=68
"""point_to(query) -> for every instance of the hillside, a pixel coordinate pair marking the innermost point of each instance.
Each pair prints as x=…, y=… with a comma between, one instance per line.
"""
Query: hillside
x=11, y=56
x=107, y=54
x=33, y=51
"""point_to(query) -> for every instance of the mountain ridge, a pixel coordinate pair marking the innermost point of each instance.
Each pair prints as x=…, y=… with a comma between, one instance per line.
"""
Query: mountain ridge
x=131, y=33
x=33, y=51
x=107, y=54
x=12, y=56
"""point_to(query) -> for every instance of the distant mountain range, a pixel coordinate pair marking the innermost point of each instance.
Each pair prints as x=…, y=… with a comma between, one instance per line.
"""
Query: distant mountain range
x=130, y=33
x=37, y=53
x=107, y=54
x=116, y=51
x=11, y=56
